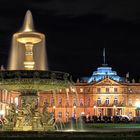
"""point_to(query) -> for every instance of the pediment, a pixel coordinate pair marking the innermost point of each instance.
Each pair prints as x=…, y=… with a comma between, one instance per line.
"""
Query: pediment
x=107, y=82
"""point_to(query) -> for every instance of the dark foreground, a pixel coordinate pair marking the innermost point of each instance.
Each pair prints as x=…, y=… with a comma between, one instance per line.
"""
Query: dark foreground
x=98, y=134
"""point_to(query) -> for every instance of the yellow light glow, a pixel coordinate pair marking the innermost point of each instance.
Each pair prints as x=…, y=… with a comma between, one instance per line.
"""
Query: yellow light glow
x=29, y=63
x=94, y=106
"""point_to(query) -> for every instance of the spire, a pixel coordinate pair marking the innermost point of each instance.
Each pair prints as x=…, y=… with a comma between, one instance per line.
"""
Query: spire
x=104, y=63
x=28, y=22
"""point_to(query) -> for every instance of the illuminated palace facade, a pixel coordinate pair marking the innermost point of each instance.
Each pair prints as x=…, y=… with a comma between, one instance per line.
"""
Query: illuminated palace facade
x=104, y=93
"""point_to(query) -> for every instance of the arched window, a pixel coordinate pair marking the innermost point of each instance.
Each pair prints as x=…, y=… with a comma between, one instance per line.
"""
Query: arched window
x=98, y=101
x=107, y=101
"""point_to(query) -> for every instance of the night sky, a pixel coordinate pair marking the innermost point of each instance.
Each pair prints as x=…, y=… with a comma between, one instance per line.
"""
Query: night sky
x=77, y=31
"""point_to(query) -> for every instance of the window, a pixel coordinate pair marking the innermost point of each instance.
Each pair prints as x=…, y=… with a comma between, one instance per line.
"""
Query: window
x=98, y=101
x=81, y=102
x=52, y=101
x=116, y=101
x=107, y=89
x=74, y=102
x=88, y=101
x=46, y=103
x=115, y=90
x=98, y=90
x=130, y=102
x=59, y=115
x=137, y=102
x=60, y=101
x=16, y=101
x=107, y=101
x=81, y=90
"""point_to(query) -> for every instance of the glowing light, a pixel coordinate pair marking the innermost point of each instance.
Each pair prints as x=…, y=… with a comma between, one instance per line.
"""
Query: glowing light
x=114, y=106
x=94, y=106
x=74, y=106
x=137, y=104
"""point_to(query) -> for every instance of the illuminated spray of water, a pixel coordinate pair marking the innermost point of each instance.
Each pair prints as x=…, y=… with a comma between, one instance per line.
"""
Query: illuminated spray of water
x=17, y=53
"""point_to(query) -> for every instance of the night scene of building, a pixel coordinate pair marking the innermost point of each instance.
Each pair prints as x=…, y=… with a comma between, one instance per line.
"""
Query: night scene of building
x=70, y=69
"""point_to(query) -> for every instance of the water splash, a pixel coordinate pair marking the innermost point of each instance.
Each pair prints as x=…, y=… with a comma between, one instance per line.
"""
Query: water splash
x=28, y=25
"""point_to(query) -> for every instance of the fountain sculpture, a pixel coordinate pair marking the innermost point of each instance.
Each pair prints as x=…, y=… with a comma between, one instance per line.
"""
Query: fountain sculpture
x=28, y=76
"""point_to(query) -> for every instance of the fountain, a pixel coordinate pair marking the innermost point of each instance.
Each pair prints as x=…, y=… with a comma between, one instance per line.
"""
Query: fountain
x=28, y=76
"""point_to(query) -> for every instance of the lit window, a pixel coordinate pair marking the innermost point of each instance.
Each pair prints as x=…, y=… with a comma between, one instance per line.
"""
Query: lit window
x=67, y=90
x=116, y=101
x=81, y=90
x=107, y=101
x=16, y=101
x=98, y=101
x=107, y=89
x=137, y=100
x=115, y=90
x=98, y=90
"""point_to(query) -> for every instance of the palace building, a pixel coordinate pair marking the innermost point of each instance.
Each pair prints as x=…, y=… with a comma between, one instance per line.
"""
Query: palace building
x=104, y=93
